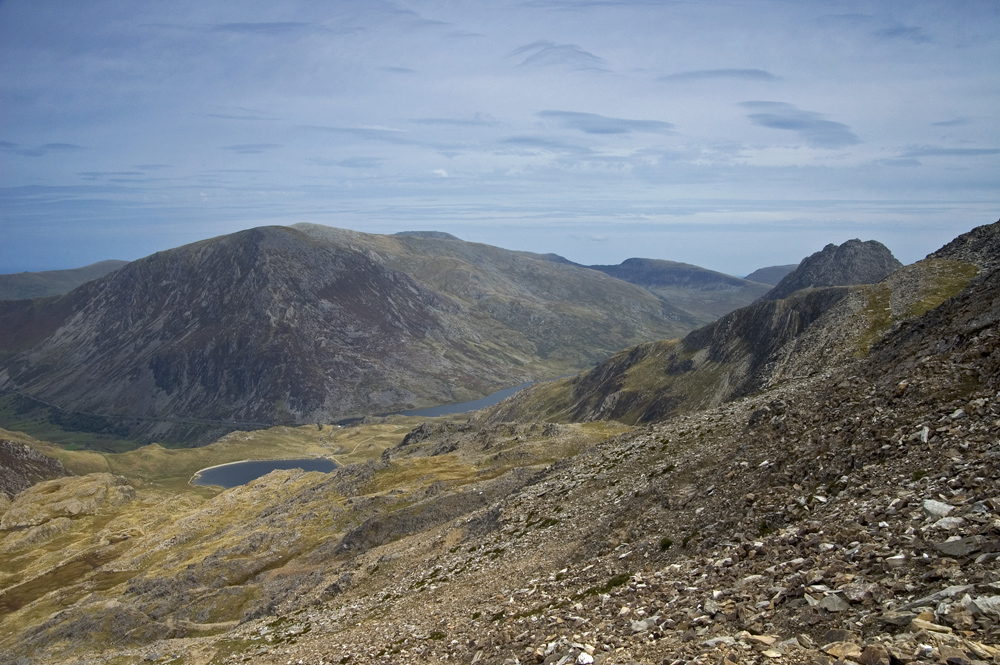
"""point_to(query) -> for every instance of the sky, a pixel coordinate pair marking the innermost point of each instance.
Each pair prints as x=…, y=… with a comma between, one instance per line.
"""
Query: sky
x=728, y=134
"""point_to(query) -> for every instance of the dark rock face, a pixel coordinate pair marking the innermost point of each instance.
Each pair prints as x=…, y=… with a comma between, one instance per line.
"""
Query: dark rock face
x=854, y=262
x=21, y=467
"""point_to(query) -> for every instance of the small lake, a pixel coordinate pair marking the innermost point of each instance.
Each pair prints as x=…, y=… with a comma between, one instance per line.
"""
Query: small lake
x=462, y=407
x=241, y=473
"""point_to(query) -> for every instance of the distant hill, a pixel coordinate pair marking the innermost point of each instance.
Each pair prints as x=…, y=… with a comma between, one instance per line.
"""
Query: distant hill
x=280, y=325
x=705, y=294
x=854, y=262
x=438, y=235
x=771, y=275
x=52, y=282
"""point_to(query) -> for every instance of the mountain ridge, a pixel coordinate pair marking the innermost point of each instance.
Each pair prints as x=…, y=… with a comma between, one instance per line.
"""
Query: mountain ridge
x=750, y=349
x=278, y=325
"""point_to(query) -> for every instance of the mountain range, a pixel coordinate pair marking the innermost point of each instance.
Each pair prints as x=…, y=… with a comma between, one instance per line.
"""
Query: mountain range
x=309, y=323
x=844, y=509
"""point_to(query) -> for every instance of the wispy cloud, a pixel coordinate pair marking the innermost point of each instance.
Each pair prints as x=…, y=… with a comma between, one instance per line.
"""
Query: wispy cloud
x=276, y=28
x=361, y=162
x=370, y=133
x=252, y=148
x=39, y=151
x=591, y=123
x=240, y=114
x=951, y=152
x=809, y=125
x=537, y=144
x=478, y=120
x=550, y=54
x=711, y=74
x=99, y=175
x=399, y=70
x=957, y=122
x=906, y=33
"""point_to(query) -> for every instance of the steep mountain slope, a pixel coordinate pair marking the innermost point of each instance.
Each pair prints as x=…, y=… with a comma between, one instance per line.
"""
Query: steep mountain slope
x=771, y=274
x=52, y=282
x=274, y=325
x=706, y=294
x=850, y=515
x=752, y=348
x=854, y=262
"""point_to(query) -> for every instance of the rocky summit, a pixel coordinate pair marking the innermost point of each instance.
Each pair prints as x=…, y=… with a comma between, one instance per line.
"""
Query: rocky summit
x=854, y=262
x=850, y=514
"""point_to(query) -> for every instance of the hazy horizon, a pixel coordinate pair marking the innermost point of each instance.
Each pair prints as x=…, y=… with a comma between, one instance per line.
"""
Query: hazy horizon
x=730, y=135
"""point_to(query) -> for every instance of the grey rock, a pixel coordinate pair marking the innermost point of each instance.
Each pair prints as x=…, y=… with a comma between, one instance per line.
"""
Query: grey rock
x=936, y=508
x=962, y=546
x=834, y=603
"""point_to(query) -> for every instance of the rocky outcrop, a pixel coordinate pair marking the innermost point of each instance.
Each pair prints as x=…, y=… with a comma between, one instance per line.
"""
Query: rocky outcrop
x=70, y=497
x=854, y=262
x=21, y=467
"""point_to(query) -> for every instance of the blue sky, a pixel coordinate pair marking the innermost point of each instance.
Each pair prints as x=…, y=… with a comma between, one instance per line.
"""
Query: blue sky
x=732, y=135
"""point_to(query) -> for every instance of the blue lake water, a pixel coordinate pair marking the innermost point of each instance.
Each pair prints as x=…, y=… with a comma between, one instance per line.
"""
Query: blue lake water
x=462, y=407
x=241, y=473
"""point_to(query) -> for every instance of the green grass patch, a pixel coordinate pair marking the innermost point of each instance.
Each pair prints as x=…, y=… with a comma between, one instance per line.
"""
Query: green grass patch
x=943, y=279
x=615, y=581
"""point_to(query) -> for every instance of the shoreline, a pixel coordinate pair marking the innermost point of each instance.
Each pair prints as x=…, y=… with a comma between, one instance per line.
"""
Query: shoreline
x=197, y=474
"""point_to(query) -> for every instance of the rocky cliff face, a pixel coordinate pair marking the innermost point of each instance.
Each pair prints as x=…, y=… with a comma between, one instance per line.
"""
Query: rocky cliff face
x=854, y=262
x=275, y=325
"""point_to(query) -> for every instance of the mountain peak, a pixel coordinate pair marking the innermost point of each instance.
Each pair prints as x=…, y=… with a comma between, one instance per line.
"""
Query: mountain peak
x=854, y=262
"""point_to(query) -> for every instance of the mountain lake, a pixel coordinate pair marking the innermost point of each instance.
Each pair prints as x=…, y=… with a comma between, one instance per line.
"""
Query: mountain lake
x=241, y=473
